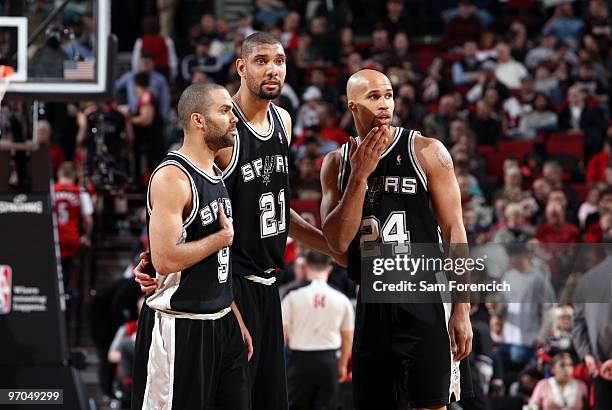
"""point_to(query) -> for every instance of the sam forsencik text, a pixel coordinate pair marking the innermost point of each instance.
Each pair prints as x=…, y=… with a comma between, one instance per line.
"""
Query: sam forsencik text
x=410, y=265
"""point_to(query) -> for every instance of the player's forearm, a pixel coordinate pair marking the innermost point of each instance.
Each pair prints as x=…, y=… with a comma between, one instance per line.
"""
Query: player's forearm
x=302, y=231
x=342, y=224
x=345, y=348
x=181, y=256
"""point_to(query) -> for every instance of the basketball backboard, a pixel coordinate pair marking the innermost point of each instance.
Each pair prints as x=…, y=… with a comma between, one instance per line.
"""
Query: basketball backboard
x=62, y=49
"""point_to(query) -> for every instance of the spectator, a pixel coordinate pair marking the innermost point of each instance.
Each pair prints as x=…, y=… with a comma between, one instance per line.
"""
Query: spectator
x=395, y=20
x=308, y=114
x=541, y=54
x=467, y=70
x=317, y=322
x=329, y=93
x=518, y=43
x=508, y=71
x=592, y=87
x=578, y=116
x=400, y=55
x=556, y=229
x=437, y=124
x=517, y=229
x=208, y=26
x=591, y=332
x=346, y=45
x=161, y=49
x=589, y=206
x=543, y=118
x=465, y=27
x=530, y=296
x=74, y=210
x=598, y=163
x=380, y=50
x=564, y=26
x=546, y=83
x=202, y=60
x=157, y=82
x=297, y=268
x=322, y=43
x=487, y=81
x=291, y=31
x=598, y=26
x=553, y=173
x=149, y=143
x=245, y=24
x=562, y=391
x=43, y=137
x=270, y=11
x=486, y=124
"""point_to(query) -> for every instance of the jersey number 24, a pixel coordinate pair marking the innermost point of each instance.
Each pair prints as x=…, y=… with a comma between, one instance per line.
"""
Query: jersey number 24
x=393, y=231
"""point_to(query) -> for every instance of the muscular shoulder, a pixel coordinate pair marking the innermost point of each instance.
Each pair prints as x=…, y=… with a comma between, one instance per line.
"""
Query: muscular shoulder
x=170, y=181
x=432, y=154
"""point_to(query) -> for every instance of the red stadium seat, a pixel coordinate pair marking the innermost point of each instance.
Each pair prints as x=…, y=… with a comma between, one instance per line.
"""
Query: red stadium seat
x=495, y=164
x=566, y=143
x=486, y=150
x=516, y=149
x=582, y=190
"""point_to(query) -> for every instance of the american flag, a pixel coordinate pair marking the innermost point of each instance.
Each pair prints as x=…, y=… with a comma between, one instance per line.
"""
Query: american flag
x=79, y=70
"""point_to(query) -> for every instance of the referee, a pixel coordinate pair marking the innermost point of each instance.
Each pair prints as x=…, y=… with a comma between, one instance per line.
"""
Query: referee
x=317, y=321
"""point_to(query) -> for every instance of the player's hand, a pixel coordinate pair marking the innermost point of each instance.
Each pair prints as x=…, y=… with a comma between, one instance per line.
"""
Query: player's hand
x=248, y=341
x=365, y=156
x=605, y=371
x=146, y=282
x=342, y=372
x=460, y=329
x=226, y=227
x=592, y=365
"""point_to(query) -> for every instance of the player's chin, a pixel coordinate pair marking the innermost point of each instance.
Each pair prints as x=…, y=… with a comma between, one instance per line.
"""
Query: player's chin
x=269, y=95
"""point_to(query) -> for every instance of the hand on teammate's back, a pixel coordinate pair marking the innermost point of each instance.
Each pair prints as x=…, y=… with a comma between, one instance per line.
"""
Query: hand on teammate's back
x=365, y=156
x=142, y=274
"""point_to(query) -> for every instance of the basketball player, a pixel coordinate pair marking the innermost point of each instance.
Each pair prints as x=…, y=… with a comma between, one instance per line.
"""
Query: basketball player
x=256, y=176
x=401, y=352
x=197, y=357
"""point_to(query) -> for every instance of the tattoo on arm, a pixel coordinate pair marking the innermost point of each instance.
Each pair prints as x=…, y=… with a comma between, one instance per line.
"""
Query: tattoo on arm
x=444, y=157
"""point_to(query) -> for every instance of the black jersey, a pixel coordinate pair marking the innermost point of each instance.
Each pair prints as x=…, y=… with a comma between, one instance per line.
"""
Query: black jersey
x=205, y=287
x=257, y=179
x=396, y=207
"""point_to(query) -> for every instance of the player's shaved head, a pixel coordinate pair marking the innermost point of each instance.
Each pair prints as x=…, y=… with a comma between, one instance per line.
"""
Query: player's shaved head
x=254, y=40
x=365, y=80
x=195, y=99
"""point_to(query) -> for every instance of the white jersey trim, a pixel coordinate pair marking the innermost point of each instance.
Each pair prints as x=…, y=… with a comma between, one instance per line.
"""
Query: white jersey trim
x=234, y=160
x=263, y=137
x=280, y=119
x=215, y=179
x=195, y=200
x=259, y=279
x=413, y=158
x=343, y=160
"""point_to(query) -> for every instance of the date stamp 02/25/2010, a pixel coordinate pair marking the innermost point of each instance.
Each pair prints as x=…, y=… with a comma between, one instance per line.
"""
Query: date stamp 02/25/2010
x=31, y=396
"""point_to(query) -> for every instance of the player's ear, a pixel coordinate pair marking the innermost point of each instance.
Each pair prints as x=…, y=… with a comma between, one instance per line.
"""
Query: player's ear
x=352, y=105
x=198, y=121
x=240, y=66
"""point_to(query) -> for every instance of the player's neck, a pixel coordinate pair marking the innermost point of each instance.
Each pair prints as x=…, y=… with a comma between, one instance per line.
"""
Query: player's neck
x=65, y=181
x=200, y=154
x=254, y=108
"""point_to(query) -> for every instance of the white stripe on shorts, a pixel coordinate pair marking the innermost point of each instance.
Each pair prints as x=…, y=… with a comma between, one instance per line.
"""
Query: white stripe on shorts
x=160, y=368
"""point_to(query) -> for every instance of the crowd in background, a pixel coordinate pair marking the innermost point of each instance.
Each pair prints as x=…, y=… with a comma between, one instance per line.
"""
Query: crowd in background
x=518, y=91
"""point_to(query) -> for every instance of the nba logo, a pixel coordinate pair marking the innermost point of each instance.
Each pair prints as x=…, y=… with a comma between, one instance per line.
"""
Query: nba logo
x=6, y=274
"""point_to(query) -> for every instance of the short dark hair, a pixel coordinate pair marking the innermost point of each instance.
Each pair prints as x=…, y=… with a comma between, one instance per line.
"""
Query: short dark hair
x=254, y=40
x=141, y=79
x=67, y=170
x=317, y=260
x=145, y=55
x=195, y=98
